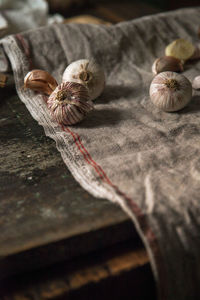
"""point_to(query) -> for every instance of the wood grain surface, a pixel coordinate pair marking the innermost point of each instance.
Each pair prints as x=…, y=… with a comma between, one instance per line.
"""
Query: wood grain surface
x=46, y=219
x=117, y=273
x=44, y=213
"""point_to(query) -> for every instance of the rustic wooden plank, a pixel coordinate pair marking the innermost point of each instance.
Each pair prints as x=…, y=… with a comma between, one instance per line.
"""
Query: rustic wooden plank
x=44, y=213
x=109, y=274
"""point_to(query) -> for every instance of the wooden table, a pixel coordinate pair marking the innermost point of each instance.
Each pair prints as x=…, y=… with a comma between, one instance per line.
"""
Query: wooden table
x=56, y=240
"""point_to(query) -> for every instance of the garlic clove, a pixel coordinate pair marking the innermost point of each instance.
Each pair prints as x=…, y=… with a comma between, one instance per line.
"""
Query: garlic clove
x=40, y=81
x=181, y=49
x=69, y=103
x=196, y=83
x=167, y=63
x=88, y=73
x=170, y=91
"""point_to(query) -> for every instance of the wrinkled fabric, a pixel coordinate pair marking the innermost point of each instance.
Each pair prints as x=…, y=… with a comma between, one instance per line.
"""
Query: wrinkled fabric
x=20, y=15
x=126, y=150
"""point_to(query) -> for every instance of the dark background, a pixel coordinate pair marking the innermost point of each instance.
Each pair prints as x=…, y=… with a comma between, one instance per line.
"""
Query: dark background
x=71, y=7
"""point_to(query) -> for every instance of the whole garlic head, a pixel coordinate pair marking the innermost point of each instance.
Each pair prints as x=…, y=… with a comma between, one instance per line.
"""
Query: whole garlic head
x=170, y=91
x=68, y=103
x=88, y=73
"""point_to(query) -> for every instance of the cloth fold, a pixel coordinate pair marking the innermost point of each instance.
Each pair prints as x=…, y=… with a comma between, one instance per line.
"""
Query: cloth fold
x=21, y=15
x=126, y=150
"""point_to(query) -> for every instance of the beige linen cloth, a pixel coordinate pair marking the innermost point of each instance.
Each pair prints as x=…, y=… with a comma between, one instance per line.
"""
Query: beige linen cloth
x=126, y=150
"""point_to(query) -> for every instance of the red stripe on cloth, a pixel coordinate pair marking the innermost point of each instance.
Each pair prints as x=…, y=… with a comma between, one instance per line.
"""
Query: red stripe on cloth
x=147, y=231
x=88, y=155
x=66, y=129
x=107, y=180
x=26, y=48
x=100, y=171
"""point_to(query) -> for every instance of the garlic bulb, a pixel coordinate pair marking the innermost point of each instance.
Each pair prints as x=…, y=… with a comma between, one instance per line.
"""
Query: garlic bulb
x=88, y=73
x=196, y=83
x=167, y=63
x=181, y=49
x=40, y=81
x=69, y=104
x=170, y=91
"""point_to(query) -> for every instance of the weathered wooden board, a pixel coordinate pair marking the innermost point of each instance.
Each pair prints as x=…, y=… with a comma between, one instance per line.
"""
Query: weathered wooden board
x=44, y=213
x=118, y=272
x=46, y=217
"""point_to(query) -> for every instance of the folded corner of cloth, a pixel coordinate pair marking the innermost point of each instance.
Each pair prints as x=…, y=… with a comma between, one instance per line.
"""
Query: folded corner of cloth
x=126, y=150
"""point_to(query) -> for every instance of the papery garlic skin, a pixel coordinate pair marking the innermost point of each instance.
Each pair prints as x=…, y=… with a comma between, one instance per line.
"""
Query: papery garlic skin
x=196, y=83
x=40, y=81
x=68, y=103
x=167, y=63
x=170, y=91
x=88, y=73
